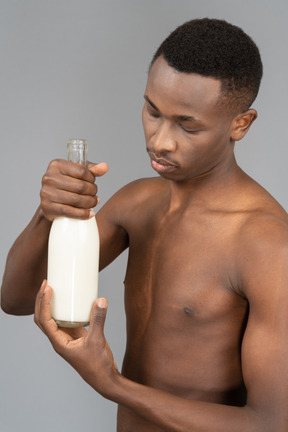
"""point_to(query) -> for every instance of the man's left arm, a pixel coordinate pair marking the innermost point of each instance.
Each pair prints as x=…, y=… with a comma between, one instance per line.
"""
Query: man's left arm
x=264, y=358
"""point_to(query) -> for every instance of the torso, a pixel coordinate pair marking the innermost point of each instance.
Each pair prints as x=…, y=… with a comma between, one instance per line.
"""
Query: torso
x=186, y=312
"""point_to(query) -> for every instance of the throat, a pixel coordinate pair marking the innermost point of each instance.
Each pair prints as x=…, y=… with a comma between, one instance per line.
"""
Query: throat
x=206, y=192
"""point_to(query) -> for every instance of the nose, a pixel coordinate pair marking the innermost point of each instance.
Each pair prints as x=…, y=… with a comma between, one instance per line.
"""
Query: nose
x=163, y=139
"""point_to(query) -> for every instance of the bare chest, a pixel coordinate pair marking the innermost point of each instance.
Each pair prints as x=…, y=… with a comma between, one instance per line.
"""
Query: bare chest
x=181, y=305
x=182, y=264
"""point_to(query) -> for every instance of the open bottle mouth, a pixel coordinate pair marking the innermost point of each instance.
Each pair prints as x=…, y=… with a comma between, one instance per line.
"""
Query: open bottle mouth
x=77, y=151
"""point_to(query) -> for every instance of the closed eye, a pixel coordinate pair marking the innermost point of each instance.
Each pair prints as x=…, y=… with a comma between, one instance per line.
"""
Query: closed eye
x=189, y=131
x=152, y=112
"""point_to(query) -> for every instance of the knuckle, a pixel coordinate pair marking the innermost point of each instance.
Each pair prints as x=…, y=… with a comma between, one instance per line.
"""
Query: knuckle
x=92, y=202
x=75, y=200
x=79, y=170
x=44, y=179
x=80, y=187
x=82, y=169
x=44, y=191
x=54, y=163
x=100, y=316
x=39, y=322
x=84, y=215
x=61, y=210
x=44, y=204
x=52, y=167
x=44, y=200
x=48, y=180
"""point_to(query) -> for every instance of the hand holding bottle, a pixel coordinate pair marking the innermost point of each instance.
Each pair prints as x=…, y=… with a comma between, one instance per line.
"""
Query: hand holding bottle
x=69, y=189
x=73, y=247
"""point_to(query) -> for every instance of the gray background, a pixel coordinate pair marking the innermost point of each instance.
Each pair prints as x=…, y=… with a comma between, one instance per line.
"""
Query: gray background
x=78, y=69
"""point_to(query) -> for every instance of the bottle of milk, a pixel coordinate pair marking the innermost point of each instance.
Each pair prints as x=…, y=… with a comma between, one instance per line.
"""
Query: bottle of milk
x=73, y=260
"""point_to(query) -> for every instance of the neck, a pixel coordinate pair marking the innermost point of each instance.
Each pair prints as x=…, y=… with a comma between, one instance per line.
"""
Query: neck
x=212, y=189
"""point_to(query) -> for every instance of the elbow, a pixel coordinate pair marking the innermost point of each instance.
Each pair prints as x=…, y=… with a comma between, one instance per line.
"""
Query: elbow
x=14, y=308
x=8, y=308
x=3, y=304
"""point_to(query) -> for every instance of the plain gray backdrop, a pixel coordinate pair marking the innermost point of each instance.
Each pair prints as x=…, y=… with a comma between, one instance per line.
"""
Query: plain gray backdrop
x=77, y=69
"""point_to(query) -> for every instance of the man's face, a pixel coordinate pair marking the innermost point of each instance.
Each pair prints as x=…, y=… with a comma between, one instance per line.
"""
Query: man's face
x=187, y=131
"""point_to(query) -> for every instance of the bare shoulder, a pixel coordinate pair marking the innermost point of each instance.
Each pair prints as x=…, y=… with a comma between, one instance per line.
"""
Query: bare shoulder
x=134, y=197
x=264, y=217
x=142, y=189
x=262, y=241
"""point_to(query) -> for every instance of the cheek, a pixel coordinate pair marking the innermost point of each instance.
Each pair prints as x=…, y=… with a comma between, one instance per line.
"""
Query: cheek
x=144, y=121
x=148, y=126
x=143, y=116
x=196, y=151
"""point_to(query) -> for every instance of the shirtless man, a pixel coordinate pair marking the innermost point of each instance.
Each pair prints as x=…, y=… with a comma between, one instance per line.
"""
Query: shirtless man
x=206, y=288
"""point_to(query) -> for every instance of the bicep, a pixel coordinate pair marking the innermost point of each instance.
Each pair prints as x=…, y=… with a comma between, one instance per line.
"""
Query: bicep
x=113, y=236
x=265, y=342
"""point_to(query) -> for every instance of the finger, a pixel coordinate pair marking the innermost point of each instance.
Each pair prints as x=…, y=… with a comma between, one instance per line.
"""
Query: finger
x=70, y=169
x=97, y=319
x=38, y=302
x=44, y=319
x=74, y=333
x=98, y=169
x=59, y=181
x=67, y=211
x=48, y=324
x=70, y=184
x=79, y=171
x=91, y=214
x=70, y=199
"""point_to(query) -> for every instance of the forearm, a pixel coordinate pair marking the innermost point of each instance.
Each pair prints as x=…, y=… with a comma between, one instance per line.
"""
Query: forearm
x=26, y=267
x=176, y=414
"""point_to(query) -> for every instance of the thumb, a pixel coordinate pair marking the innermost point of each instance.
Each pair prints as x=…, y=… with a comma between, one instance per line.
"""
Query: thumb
x=97, y=317
x=98, y=169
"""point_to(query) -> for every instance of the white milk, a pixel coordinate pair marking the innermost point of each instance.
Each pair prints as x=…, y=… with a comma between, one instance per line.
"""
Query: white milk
x=73, y=262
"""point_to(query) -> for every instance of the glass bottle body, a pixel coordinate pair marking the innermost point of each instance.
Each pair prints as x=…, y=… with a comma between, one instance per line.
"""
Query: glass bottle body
x=73, y=261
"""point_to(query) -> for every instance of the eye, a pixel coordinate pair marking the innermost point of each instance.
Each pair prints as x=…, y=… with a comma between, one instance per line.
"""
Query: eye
x=188, y=131
x=152, y=112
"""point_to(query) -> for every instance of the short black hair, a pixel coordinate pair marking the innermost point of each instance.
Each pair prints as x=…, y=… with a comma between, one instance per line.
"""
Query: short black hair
x=217, y=49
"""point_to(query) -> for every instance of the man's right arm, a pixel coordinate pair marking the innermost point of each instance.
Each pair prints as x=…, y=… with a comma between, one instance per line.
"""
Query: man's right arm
x=26, y=267
x=68, y=189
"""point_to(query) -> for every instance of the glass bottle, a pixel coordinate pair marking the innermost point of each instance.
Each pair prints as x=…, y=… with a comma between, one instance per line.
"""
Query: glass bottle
x=73, y=260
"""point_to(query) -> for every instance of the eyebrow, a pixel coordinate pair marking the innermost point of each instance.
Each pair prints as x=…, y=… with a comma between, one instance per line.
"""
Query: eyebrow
x=179, y=117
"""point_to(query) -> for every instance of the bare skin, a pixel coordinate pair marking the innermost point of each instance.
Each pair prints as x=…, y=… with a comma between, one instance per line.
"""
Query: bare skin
x=206, y=285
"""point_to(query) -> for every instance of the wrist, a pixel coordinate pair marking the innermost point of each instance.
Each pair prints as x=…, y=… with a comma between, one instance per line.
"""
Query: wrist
x=120, y=390
x=41, y=218
x=112, y=387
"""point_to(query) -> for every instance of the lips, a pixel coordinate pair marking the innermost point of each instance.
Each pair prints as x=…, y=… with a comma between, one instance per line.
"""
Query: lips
x=161, y=165
x=161, y=161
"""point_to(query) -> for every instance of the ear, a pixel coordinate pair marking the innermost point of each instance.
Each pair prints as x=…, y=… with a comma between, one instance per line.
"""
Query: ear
x=241, y=124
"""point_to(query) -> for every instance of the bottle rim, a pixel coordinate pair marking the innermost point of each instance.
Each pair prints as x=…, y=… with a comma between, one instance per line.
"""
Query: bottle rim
x=76, y=142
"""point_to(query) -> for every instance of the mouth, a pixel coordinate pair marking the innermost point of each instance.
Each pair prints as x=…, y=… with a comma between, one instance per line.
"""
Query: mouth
x=161, y=165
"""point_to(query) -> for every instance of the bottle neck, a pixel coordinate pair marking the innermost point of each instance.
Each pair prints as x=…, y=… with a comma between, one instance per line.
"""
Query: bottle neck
x=77, y=151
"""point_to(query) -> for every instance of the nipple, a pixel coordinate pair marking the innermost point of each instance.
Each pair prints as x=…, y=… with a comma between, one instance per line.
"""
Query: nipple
x=188, y=311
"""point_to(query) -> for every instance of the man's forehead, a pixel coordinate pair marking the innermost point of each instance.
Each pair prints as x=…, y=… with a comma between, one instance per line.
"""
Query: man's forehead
x=183, y=89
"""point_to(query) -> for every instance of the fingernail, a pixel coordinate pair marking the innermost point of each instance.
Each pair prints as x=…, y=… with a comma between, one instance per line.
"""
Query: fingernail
x=44, y=284
x=91, y=214
x=102, y=303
